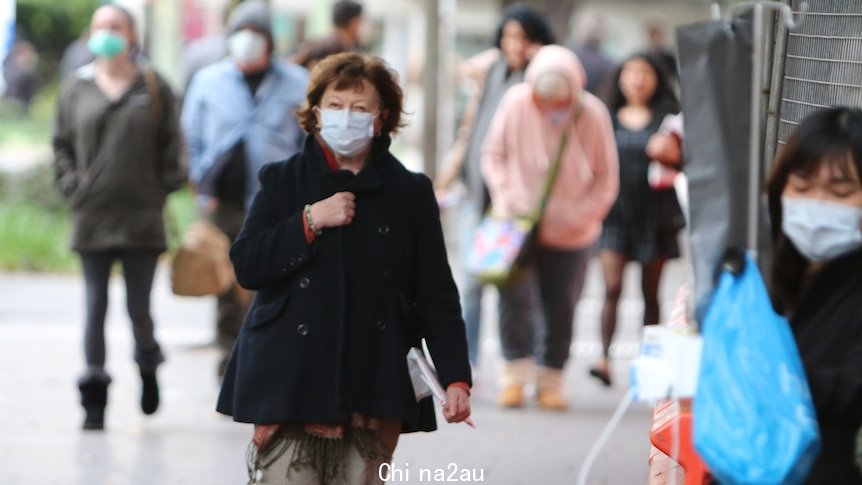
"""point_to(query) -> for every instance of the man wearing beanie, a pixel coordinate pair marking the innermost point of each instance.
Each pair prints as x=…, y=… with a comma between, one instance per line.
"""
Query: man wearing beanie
x=237, y=116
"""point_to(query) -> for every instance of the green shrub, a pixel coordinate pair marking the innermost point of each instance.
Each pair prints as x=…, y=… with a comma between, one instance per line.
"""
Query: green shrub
x=51, y=25
x=5, y=186
x=35, y=187
x=35, y=222
x=34, y=239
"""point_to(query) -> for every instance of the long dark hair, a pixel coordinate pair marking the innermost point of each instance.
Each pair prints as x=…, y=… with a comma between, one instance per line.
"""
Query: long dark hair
x=664, y=100
x=832, y=136
x=534, y=23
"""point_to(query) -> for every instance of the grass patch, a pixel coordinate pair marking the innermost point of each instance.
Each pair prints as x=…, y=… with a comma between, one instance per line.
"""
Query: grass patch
x=33, y=127
x=34, y=238
x=24, y=131
x=35, y=223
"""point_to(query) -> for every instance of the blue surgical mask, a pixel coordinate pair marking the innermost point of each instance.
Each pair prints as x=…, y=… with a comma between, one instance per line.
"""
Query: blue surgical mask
x=107, y=44
x=346, y=132
x=821, y=230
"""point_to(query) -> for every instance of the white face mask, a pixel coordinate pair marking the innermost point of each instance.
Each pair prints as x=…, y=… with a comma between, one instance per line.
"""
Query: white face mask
x=346, y=132
x=247, y=46
x=821, y=230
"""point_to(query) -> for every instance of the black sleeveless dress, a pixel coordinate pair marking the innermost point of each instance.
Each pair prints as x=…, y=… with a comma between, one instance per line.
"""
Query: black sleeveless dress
x=634, y=227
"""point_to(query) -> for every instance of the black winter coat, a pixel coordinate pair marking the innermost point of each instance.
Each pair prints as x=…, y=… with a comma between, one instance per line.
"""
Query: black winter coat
x=827, y=326
x=329, y=329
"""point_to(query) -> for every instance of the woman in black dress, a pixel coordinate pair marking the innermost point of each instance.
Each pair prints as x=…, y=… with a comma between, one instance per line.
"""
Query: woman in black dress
x=643, y=223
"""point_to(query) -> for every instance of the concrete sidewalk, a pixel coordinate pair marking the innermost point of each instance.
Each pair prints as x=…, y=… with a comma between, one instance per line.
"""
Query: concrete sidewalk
x=186, y=442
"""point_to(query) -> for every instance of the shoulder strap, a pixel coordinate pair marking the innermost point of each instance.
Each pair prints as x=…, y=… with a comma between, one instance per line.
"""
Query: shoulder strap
x=555, y=166
x=175, y=239
x=155, y=95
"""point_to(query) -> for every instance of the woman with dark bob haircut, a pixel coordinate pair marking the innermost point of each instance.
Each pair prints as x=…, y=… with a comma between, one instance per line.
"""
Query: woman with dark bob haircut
x=345, y=250
x=815, y=202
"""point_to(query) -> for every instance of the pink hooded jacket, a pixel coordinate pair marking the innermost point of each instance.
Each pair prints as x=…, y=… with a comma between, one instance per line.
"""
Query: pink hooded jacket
x=520, y=147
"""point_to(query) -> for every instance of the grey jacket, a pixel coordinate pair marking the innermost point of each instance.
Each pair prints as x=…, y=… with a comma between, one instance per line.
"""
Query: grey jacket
x=499, y=79
x=116, y=162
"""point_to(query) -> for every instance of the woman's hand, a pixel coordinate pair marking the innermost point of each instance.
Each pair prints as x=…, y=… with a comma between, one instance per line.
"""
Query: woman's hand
x=665, y=148
x=337, y=210
x=263, y=433
x=457, y=407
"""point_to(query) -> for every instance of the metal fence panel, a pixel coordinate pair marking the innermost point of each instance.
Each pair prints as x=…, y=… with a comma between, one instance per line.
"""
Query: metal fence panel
x=824, y=62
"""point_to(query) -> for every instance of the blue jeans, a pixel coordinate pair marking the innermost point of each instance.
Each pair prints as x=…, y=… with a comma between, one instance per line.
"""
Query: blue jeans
x=537, y=313
x=471, y=290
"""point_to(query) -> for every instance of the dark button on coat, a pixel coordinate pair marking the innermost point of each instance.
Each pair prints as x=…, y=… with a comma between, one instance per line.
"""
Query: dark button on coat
x=319, y=352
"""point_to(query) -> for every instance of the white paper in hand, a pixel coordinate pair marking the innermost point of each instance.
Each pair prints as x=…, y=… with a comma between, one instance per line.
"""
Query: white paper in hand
x=423, y=378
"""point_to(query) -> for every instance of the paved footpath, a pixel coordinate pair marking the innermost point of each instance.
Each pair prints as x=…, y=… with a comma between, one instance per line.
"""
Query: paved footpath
x=186, y=442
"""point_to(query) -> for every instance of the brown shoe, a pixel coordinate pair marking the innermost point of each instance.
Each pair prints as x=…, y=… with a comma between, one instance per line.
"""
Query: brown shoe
x=511, y=397
x=551, y=400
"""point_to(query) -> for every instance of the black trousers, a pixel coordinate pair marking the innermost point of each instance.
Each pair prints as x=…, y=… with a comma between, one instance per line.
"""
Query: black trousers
x=139, y=267
x=230, y=311
x=537, y=313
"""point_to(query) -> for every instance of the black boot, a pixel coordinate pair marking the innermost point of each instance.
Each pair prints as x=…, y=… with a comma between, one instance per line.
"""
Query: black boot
x=94, y=397
x=149, y=391
x=148, y=361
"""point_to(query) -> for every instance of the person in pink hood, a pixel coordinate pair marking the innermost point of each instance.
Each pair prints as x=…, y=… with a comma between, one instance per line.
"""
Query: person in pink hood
x=523, y=140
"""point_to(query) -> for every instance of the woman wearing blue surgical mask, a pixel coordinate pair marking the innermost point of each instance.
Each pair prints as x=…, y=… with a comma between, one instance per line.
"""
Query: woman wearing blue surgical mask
x=345, y=250
x=117, y=156
x=815, y=202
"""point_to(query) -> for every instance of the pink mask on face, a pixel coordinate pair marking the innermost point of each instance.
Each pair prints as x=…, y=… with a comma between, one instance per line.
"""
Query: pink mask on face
x=559, y=116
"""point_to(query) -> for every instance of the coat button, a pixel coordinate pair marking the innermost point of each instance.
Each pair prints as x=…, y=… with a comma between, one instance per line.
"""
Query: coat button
x=302, y=329
x=383, y=230
x=387, y=275
x=304, y=283
x=381, y=325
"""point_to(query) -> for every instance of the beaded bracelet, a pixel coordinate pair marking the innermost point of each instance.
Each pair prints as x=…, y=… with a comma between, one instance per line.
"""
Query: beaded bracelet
x=310, y=222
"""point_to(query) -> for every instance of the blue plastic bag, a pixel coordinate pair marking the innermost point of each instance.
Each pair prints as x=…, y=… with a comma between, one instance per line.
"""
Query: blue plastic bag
x=754, y=422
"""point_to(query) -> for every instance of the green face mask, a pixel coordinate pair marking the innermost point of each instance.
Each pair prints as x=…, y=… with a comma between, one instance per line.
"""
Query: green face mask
x=107, y=44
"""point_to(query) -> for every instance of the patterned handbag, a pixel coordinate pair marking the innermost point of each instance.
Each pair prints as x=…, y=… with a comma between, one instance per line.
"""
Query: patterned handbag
x=500, y=244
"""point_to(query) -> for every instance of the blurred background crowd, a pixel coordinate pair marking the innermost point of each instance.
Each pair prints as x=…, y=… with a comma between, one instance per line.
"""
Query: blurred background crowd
x=44, y=40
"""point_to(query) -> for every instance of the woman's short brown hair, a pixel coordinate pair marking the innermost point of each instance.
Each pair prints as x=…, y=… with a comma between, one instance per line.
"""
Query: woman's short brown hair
x=347, y=70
